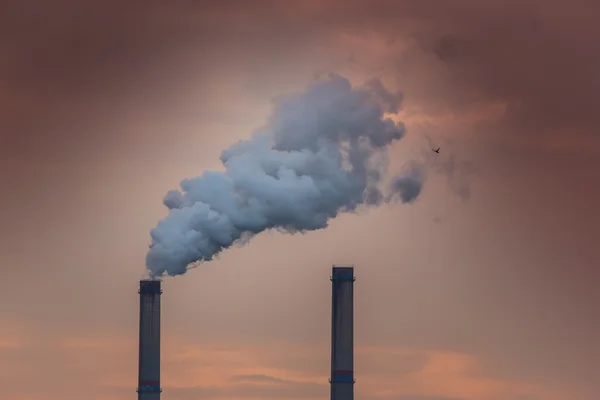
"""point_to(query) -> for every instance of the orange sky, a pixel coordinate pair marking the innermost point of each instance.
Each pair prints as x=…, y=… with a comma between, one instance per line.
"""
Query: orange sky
x=107, y=105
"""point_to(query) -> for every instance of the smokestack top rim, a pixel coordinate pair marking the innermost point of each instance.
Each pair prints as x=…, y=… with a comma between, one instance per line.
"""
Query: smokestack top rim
x=337, y=270
x=150, y=286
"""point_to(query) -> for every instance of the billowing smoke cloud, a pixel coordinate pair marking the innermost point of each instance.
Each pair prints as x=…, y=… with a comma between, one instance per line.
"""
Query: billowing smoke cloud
x=322, y=152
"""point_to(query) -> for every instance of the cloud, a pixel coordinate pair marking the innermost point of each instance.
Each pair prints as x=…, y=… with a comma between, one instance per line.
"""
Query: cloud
x=258, y=379
x=69, y=82
x=541, y=61
x=381, y=360
x=427, y=398
x=291, y=390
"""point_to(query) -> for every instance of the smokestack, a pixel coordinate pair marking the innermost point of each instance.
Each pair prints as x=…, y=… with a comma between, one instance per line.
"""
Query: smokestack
x=149, y=355
x=342, y=333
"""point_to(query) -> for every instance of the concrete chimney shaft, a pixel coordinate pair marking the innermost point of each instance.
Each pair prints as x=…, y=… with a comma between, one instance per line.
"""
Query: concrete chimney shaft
x=342, y=333
x=149, y=353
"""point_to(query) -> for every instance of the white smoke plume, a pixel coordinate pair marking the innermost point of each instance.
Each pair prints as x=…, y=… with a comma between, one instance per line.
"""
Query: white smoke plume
x=322, y=152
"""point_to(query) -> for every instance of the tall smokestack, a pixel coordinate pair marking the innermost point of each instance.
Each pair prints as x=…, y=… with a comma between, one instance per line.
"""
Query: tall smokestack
x=342, y=333
x=149, y=356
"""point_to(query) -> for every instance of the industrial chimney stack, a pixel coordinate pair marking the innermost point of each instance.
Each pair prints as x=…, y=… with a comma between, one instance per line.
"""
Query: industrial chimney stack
x=149, y=355
x=342, y=334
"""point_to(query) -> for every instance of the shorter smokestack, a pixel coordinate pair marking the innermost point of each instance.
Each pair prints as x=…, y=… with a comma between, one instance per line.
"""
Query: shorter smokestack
x=149, y=355
x=342, y=333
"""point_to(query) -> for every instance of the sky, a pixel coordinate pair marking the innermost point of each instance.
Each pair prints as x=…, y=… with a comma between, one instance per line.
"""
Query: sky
x=484, y=289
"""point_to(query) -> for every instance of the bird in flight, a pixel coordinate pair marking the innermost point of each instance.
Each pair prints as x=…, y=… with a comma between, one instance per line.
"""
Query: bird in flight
x=436, y=150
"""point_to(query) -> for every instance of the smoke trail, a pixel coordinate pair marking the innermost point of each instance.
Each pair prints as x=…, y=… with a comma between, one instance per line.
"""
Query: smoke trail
x=457, y=172
x=321, y=152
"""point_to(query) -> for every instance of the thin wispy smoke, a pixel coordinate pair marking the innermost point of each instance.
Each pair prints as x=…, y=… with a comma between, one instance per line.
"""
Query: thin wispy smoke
x=458, y=172
x=407, y=186
x=321, y=152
